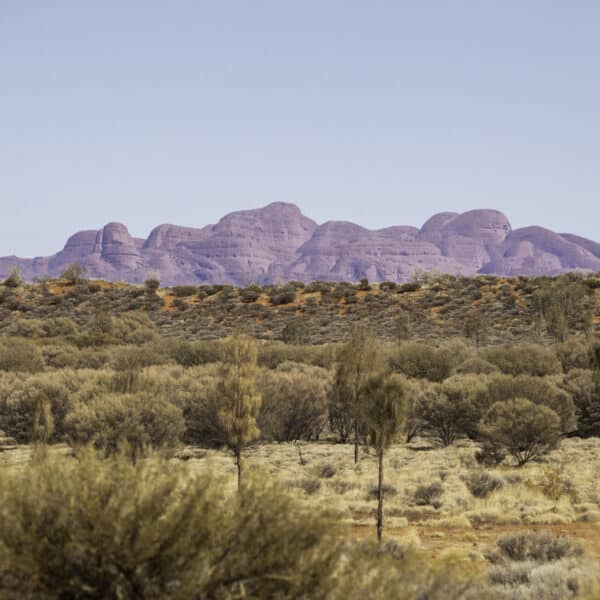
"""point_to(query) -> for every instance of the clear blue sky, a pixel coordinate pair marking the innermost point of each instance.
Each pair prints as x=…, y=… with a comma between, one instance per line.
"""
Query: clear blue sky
x=377, y=112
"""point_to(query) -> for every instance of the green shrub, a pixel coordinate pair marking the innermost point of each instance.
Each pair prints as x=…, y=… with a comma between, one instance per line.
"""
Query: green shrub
x=295, y=332
x=154, y=529
x=524, y=429
x=540, y=390
x=183, y=291
x=422, y=361
x=524, y=359
x=295, y=399
x=20, y=355
x=140, y=420
x=15, y=279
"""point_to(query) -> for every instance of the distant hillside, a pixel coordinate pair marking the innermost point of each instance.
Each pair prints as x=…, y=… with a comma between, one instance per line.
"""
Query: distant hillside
x=488, y=309
x=278, y=243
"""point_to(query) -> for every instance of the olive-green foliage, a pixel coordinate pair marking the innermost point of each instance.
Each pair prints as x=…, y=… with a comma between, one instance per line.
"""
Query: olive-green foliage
x=476, y=327
x=238, y=397
x=95, y=528
x=272, y=354
x=524, y=429
x=402, y=325
x=294, y=405
x=424, y=361
x=385, y=408
x=182, y=291
x=358, y=358
x=189, y=354
x=451, y=409
x=563, y=304
x=574, y=353
x=20, y=355
x=584, y=390
x=295, y=332
x=540, y=390
x=141, y=420
x=73, y=273
x=18, y=395
x=15, y=279
x=384, y=411
x=477, y=366
x=43, y=421
x=524, y=359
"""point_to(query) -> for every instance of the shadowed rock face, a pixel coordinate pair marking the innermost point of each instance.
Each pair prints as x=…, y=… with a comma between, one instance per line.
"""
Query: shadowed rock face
x=278, y=243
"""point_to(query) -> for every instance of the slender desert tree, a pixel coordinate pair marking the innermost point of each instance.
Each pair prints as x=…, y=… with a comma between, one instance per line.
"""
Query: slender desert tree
x=359, y=357
x=43, y=422
x=238, y=396
x=384, y=415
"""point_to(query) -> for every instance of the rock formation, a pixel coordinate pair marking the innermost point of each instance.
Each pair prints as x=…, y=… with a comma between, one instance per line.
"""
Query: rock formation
x=278, y=243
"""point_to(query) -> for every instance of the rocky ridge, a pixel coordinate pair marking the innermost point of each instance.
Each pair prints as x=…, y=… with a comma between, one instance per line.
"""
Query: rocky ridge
x=278, y=243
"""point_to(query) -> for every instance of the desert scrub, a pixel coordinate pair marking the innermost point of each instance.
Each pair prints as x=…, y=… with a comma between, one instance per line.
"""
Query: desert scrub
x=429, y=494
x=481, y=483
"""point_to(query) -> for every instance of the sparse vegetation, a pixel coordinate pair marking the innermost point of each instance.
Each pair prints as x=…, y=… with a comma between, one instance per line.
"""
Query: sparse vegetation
x=97, y=376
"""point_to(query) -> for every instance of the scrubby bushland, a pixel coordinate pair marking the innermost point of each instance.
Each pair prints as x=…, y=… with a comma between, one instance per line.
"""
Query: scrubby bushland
x=451, y=409
x=524, y=359
x=575, y=353
x=540, y=390
x=154, y=529
x=424, y=361
x=18, y=393
x=20, y=355
x=584, y=389
x=141, y=421
x=540, y=565
x=524, y=429
x=294, y=405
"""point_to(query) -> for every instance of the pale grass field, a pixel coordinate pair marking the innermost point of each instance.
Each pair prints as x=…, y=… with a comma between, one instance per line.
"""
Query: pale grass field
x=458, y=521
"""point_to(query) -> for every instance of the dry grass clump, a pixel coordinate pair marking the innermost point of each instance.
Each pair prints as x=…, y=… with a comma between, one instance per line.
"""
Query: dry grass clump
x=481, y=483
x=539, y=565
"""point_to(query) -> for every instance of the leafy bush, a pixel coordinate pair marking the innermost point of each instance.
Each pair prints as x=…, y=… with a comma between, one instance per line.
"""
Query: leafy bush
x=584, y=389
x=183, y=291
x=540, y=390
x=15, y=279
x=250, y=294
x=451, y=409
x=295, y=332
x=294, y=405
x=20, y=355
x=526, y=430
x=140, y=420
x=574, y=353
x=477, y=366
x=524, y=359
x=73, y=273
x=153, y=529
x=422, y=361
x=285, y=296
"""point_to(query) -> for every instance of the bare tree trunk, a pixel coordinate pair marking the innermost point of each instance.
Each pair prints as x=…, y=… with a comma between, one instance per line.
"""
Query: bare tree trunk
x=355, y=442
x=238, y=462
x=380, y=497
